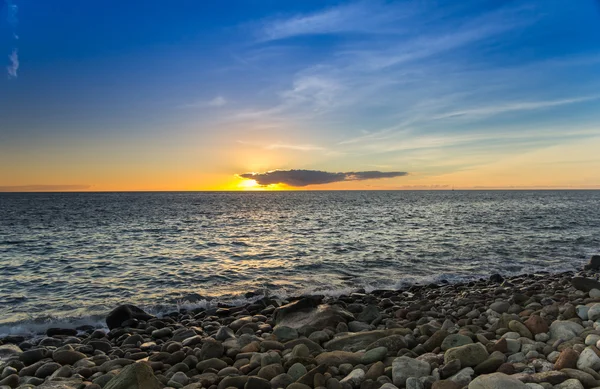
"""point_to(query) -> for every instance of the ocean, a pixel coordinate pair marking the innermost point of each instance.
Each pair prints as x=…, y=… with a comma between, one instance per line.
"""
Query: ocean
x=66, y=259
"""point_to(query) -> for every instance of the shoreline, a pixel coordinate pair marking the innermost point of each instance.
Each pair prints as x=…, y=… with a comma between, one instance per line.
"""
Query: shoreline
x=37, y=326
x=528, y=331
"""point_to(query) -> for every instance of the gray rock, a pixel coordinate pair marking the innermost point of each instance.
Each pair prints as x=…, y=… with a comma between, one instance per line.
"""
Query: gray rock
x=135, y=376
x=584, y=284
x=470, y=355
x=285, y=333
x=67, y=357
x=308, y=313
x=369, y=314
x=46, y=369
x=571, y=383
x=496, y=381
x=500, y=306
x=565, y=330
x=455, y=340
x=374, y=355
x=355, y=378
x=296, y=371
x=359, y=341
x=405, y=367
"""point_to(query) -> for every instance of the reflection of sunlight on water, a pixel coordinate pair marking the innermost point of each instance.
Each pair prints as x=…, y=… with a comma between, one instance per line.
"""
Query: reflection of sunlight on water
x=168, y=249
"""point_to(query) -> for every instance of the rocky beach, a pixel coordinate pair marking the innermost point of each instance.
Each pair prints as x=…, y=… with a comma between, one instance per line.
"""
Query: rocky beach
x=530, y=331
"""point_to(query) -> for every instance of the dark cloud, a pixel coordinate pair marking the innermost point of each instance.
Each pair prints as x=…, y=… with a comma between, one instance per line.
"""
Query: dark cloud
x=43, y=188
x=299, y=178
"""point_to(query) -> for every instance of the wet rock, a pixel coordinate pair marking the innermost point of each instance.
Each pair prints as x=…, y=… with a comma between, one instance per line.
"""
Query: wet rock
x=594, y=263
x=584, y=284
x=123, y=313
x=308, y=313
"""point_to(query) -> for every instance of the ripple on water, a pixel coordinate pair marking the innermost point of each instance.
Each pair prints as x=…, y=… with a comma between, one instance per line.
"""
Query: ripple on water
x=72, y=256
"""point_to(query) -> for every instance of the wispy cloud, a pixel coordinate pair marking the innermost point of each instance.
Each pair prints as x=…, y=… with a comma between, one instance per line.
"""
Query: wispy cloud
x=515, y=106
x=345, y=18
x=300, y=147
x=13, y=67
x=301, y=178
x=217, y=102
x=13, y=22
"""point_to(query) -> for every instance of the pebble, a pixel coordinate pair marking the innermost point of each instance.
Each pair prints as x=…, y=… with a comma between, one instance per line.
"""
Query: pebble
x=532, y=331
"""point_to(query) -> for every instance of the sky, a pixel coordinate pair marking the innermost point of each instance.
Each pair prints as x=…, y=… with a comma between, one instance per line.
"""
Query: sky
x=299, y=94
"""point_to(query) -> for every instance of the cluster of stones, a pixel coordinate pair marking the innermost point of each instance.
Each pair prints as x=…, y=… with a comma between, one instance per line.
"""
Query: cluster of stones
x=528, y=332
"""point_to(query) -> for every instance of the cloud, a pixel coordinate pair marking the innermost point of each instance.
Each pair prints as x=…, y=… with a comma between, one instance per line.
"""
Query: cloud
x=515, y=106
x=44, y=188
x=348, y=18
x=301, y=178
x=217, y=102
x=307, y=147
x=14, y=64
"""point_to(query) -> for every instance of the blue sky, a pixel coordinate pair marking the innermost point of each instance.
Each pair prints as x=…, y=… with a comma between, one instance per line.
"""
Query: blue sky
x=196, y=92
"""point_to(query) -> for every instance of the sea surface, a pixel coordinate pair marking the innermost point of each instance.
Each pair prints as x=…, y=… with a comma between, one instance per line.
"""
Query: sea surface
x=66, y=259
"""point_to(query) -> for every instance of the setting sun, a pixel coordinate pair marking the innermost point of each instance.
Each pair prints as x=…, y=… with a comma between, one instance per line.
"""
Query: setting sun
x=249, y=185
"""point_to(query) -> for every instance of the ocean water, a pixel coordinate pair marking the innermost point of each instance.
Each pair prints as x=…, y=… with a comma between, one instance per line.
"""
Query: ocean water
x=66, y=259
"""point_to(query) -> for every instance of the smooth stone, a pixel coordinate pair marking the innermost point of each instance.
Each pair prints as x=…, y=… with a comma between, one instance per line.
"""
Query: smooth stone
x=470, y=355
x=565, y=330
x=67, y=357
x=496, y=381
x=296, y=371
x=500, y=306
x=47, y=369
x=594, y=312
x=571, y=383
x=374, y=355
x=355, y=378
x=134, y=376
x=285, y=333
x=455, y=340
x=588, y=359
x=336, y=358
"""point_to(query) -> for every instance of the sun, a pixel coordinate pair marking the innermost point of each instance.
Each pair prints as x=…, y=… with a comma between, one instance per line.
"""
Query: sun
x=249, y=185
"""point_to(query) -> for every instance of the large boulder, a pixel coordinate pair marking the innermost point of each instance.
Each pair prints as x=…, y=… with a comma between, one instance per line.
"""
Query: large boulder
x=594, y=263
x=496, y=381
x=123, y=313
x=307, y=312
x=135, y=376
x=360, y=340
x=584, y=284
